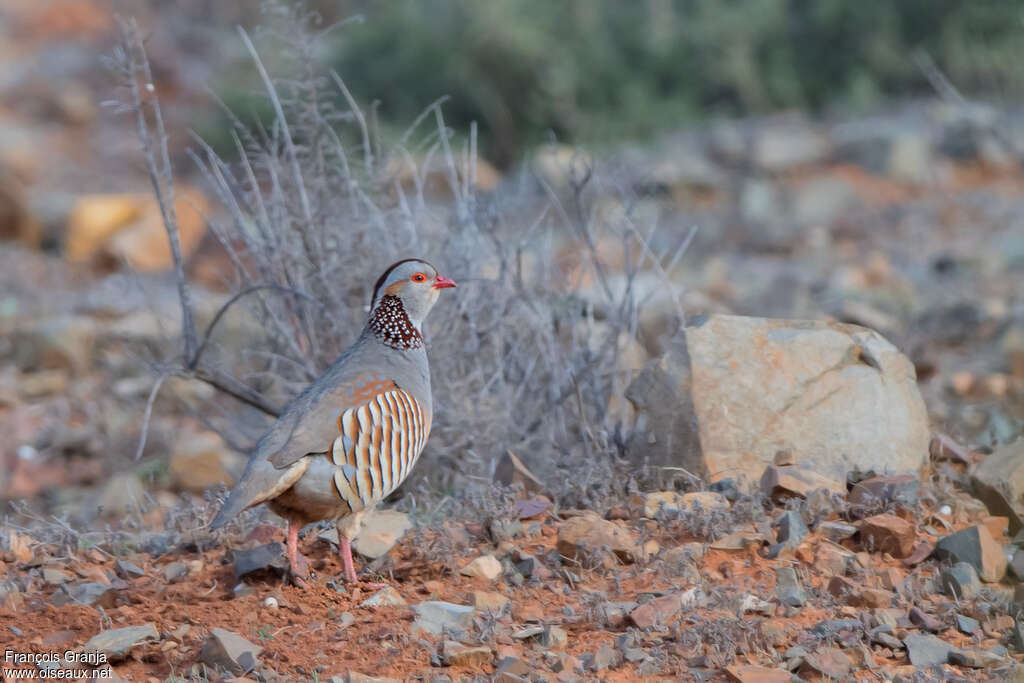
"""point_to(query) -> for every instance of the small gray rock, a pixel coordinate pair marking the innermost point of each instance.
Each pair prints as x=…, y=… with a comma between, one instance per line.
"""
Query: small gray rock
x=831, y=627
x=791, y=528
x=267, y=556
x=927, y=650
x=89, y=593
x=174, y=572
x=385, y=597
x=836, y=531
x=886, y=639
x=922, y=619
x=960, y=581
x=603, y=658
x=127, y=570
x=977, y=659
x=788, y=588
x=436, y=616
x=224, y=649
x=966, y=624
x=117, y=642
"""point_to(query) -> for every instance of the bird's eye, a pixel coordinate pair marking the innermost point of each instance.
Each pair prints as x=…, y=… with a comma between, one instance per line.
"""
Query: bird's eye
x=419, y=277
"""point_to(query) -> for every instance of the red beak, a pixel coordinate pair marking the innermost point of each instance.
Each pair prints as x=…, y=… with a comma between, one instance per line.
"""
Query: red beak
x=442, y=282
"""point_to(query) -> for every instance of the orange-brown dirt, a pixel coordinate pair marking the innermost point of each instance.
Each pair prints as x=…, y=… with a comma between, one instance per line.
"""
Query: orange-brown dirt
x=304, y=638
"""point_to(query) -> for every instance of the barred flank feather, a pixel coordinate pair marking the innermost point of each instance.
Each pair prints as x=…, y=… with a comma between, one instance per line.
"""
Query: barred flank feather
x=377, y=447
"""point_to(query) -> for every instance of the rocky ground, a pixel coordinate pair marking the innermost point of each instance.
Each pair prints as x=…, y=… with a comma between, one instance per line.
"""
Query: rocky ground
x=891, y=581
x=811, y=555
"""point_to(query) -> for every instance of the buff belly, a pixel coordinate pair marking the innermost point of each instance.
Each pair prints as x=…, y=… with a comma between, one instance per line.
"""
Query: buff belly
x=313, y=498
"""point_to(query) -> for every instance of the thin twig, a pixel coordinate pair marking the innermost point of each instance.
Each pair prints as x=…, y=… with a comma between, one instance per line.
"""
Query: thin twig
x=163, y=178
x=149, y=413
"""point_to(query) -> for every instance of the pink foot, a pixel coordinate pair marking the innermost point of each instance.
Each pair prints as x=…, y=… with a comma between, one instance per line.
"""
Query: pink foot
x=298, y=564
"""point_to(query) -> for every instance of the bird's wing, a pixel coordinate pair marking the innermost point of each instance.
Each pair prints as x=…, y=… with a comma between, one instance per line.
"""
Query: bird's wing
x=316, y=423
x=369, y=427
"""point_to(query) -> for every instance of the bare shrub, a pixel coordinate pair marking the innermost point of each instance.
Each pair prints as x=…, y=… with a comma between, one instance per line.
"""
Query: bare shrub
x=525, y=356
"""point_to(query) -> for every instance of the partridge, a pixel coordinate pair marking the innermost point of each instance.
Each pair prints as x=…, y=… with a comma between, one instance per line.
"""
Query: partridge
x=355, y=433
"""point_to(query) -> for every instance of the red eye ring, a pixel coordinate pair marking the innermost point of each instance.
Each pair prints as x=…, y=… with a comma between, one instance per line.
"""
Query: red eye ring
x=419, y=277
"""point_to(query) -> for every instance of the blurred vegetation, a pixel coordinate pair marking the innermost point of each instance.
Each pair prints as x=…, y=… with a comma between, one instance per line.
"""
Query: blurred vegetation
x=607, y=69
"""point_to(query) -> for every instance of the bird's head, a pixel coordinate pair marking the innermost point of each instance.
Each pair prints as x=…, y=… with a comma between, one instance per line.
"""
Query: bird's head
x=414, y=284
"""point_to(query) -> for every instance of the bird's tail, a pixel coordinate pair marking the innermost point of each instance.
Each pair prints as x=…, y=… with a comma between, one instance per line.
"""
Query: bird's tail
x=260, y=482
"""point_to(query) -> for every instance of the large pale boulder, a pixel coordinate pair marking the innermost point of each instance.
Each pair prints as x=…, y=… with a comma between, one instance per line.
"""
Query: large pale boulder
x=731, y=392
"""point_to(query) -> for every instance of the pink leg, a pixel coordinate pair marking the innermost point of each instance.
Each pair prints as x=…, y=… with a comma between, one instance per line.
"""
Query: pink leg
x=346, y=558
x=297, y=563
x=345, y=546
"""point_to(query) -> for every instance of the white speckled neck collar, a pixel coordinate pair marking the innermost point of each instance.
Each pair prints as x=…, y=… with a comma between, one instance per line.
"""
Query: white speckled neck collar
x=391, y=325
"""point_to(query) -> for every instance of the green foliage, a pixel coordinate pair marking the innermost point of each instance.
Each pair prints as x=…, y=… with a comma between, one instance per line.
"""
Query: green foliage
x=598, y=69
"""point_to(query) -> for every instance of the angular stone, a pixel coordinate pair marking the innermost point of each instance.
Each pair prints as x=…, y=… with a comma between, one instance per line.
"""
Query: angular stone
x=530, y=566
x=791, y=528
x=975, y=546
x=898, y=488
x=176, y=571
x=874, y=597
x=966, y=625
x=842, y=588
x=832, y=627
x=750, y=673
x=127, y=570
x=999, y=482
x=960, y=581
x=385, y=597
x=116, y=643
x=926, y=621
x=926, y=651
x=486, y=601
x=788, y=481
x=435, y=616
x=788, y=588
x=89, y=593
x=659, y=612
x=457, y=654
x=830, y=662
x=380, y=531
x=831, y=560
x=836, y=531
x=532, y=508
x=604, y=658
x=484, y=567
x=55, y=577
x=978, y=659
x=266, y=556
x=888, y=534
x=587, y=534
x=510, y=471
x=741, y=539
x=838, y=397
x=776, y=632
x=883, y=636
x=227, y=650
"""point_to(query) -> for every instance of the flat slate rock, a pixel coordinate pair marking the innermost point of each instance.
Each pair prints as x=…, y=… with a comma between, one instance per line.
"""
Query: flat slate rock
x=117, y=642
x=227, y=650
x=267, y=556
x=927, y=650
